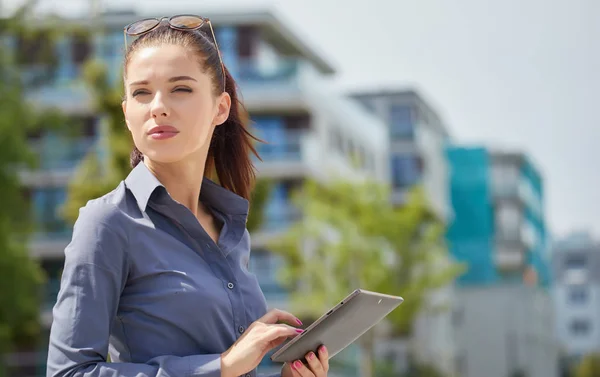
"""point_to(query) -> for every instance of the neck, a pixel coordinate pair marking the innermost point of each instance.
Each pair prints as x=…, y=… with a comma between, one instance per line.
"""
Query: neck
x=182, y=179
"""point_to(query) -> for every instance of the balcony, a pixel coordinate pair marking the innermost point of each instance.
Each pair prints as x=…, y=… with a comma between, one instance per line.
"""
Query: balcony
x=55, y=153
x=282, y=156
x=280, y=217
x=509, y=256
x=71, y=97
x=57, y=158
x=272, y=86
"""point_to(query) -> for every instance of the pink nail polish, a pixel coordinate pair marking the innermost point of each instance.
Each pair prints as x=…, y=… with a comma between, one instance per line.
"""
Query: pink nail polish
x=299, y=321
x=323, y=349
x=311, y=356
x=299, y=331
x=297, y=364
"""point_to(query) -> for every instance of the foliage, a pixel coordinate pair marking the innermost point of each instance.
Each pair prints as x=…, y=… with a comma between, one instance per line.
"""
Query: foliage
x=99, y=173
x=19, y=305
x=589, y=366
x=260, y=196
x=349, y=237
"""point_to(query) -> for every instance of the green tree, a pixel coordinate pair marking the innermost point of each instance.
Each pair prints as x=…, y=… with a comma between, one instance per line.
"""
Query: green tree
x=589, y=366
x=351, y=237
x=21, y=277
x=260, y=196
x=97, y=173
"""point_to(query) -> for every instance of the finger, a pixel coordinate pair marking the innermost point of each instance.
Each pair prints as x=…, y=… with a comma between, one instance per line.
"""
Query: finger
x=280, y=331
x=315, y=365
x=324, y=358
x=301, y=370
x=277, y=315
x=277, y=342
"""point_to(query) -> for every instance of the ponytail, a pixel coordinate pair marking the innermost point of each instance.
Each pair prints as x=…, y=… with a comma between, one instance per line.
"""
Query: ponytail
x=231, y=145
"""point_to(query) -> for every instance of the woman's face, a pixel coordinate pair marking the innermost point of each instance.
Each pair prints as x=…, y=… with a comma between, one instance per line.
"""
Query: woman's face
x=170, y=107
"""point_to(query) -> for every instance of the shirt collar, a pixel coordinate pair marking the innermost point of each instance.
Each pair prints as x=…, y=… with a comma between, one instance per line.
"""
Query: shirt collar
x=142, y=184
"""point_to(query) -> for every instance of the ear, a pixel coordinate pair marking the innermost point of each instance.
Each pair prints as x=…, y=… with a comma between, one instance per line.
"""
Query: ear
x=223, y=108
x=124, y=106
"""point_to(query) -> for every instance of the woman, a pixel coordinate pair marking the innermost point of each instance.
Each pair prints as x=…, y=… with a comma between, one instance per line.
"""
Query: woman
x=156, y=272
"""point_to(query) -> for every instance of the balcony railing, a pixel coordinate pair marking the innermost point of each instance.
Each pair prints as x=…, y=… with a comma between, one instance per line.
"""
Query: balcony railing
x=61, y=153
x=282, y=70
x=280, y=217
x=285, y=147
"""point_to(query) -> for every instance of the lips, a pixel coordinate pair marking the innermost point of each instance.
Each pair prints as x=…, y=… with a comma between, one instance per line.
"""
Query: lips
x=162, y=132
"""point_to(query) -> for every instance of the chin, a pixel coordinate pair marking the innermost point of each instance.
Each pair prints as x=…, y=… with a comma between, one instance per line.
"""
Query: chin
x=164, y=156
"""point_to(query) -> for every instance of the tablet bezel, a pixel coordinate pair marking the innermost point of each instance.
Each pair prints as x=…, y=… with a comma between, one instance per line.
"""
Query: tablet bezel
x=348, y=299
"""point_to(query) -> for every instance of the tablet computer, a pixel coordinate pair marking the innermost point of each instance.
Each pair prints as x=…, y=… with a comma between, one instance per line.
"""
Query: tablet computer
x=340, y=326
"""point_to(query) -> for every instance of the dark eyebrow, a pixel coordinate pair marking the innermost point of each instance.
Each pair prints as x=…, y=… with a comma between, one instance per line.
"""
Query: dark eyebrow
x=172, y=79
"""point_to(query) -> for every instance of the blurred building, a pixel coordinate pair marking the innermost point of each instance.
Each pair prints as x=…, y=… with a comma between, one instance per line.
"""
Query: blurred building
x=311, y=132
x=418, y=141
x=498, y=225
x=504, y=314
x=576, y=289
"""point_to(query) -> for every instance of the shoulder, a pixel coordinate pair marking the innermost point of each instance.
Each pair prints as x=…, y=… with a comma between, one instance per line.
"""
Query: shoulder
x=106, y=211
x=100, y=230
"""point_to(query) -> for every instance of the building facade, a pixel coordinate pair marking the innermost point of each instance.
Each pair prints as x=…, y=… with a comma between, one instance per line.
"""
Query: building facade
x=310, y=132
x=418, y=140
x=504, y=315
x=576, y=290
x=498, y=225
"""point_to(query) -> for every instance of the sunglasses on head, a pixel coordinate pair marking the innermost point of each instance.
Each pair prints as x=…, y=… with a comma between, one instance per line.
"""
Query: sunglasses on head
x=185, y=22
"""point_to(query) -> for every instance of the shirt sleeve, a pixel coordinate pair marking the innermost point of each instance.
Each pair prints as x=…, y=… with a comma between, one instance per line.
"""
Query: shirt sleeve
x=94, y=275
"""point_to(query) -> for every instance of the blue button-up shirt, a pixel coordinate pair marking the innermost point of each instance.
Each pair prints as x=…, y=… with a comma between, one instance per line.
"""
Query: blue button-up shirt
x=144, y=282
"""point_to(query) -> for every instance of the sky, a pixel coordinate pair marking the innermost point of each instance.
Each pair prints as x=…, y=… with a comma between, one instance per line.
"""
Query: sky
x=510, y=74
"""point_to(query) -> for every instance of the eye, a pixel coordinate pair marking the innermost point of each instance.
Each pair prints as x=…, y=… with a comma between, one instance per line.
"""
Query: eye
x=138, y=92
x=184, y=90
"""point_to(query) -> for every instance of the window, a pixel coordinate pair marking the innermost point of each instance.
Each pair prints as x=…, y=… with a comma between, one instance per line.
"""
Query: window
x=81, y=48
x=247, y=37
x=576, y=261
x=280, y=143
x=337, y=142
x=508, y=221
x=401, y=121
x=578, y=295
x=580, y=327
x=266, y=266
x=406, y=170
x=46, y=205
x=505, y=178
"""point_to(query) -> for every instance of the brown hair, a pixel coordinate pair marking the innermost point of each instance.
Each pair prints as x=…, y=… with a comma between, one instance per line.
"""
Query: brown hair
x=231, y=143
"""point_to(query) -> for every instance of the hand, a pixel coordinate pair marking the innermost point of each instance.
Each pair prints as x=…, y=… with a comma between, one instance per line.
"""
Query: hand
x=317, y=366
x=259, y=338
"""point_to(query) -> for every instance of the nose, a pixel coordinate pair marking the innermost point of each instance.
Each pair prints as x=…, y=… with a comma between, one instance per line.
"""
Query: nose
x=159, y=108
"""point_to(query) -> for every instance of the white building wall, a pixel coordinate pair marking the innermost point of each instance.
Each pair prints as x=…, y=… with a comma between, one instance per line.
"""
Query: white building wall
x=502, y=329
x=436, y=173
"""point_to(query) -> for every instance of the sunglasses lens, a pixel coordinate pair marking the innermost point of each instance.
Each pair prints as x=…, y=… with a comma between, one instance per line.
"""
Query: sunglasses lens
x=141, y=26
x=187, y=22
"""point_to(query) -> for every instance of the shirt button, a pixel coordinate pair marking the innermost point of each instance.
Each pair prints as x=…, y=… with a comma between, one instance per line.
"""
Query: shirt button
x=241, y=329
x=230, y=285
